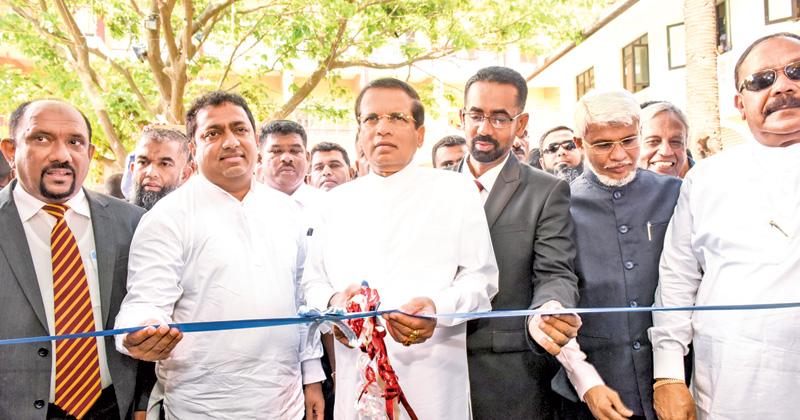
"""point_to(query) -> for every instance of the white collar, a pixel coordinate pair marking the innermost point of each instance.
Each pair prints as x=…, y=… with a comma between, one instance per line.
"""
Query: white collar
x=28, y=205
x=489, y=177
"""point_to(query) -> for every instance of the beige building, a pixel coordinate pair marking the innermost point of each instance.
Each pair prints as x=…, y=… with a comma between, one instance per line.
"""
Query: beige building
x=639, y=45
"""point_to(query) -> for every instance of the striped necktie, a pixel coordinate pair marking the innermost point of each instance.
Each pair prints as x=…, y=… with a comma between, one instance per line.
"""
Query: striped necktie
x=77, y=364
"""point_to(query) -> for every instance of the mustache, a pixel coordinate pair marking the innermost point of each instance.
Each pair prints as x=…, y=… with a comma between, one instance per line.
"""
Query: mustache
x=58, y=165
x=486, y=139
x=782, y=102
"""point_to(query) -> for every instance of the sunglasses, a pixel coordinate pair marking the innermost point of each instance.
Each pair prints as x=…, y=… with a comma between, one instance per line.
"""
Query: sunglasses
x=567, y=145
x=765, y=78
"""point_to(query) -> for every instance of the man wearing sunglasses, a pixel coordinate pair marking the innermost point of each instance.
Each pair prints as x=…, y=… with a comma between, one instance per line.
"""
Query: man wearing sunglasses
x=735, y=239
x=559, y=154
x=620, y=214
x=528, y=215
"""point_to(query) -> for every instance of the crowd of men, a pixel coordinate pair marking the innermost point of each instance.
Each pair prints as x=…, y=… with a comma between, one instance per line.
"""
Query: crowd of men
x=229, y=221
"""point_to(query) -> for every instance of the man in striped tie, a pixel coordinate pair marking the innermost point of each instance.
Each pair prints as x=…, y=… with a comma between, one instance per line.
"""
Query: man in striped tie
x=63, y=260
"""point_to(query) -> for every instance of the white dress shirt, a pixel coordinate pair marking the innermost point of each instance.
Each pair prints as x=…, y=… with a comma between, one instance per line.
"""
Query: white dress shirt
x=38, y=224
x=418, y=232
x=734, y=239
x=486, y=180
x=202, y=255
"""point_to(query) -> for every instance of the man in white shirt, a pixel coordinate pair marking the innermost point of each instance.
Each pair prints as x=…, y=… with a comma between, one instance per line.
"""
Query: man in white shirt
x=222, y=247
x=63, y=256
x=735, y=239
x=419, y=237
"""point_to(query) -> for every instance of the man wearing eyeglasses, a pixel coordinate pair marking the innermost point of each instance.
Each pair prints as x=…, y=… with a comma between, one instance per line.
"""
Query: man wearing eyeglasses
x=620, y=214
x=559, y=154
x=735, y=239
x=419, y=237
x=528, y=215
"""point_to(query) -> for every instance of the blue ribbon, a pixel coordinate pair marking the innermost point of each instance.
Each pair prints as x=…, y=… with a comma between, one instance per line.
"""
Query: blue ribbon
x=336, y=318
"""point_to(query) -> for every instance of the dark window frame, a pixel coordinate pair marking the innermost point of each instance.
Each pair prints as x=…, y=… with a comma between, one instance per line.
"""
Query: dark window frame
x=669, y=47
x=630, y=51
x=794, y=16
x=724, y=22
x=582, y=85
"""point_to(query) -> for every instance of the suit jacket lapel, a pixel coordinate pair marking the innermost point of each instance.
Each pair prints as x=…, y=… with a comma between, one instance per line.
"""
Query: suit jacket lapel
x=14, y=245
x=504, y=187
x=104, y=245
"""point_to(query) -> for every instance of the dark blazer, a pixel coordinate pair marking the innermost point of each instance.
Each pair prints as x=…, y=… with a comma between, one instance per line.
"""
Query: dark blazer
x=25, y=368
x=531, y=229
x=620, y=235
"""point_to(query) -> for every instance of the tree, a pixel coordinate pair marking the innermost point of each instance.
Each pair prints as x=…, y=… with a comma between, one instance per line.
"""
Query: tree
x=702, y=89
x=188, y=47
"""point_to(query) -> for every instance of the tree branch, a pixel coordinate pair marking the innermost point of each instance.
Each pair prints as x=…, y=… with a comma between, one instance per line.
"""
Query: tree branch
x=135, y=8
x=128, y=78
x=210, y=12
x=85, y=71
x=371, y=64
x=235, y=50
x=322, y=69
x=154, y=58
x=165, y=13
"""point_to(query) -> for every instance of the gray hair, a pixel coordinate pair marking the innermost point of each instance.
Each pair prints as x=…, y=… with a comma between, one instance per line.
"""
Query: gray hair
x=654, y=109
x=612, y=107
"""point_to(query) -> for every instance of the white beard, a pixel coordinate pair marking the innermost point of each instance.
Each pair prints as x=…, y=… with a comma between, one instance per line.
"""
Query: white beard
x=608, y=181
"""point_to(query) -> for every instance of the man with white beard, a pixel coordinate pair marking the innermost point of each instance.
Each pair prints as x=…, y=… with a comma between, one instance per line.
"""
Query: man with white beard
x=621, y=215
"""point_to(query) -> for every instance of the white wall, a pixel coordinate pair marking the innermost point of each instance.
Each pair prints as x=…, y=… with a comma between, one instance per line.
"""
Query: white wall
x=603, y=50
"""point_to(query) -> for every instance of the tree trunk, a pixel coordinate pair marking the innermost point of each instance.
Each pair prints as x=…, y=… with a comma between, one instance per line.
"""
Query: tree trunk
x=702, y=90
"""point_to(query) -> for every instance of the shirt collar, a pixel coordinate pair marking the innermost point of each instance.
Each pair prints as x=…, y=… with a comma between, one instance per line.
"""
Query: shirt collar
x=489, y=177
x=28, y=205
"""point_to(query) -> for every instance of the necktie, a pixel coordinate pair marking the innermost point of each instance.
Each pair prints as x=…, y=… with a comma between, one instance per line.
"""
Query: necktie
x=479, y=185
x=77, y=363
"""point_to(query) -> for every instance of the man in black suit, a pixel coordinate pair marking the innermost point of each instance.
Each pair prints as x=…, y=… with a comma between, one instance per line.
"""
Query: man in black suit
x=528, y=215
x=46, y=217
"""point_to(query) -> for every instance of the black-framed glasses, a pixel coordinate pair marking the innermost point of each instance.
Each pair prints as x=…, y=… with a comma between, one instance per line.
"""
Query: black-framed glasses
x=498, y=121
x=553, y=148
x=606, y=146
x=763, y=79
x=394, y=118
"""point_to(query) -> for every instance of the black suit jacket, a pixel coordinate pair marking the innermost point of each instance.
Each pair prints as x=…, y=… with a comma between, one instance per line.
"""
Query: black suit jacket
x=25, y=368
x=531, y=229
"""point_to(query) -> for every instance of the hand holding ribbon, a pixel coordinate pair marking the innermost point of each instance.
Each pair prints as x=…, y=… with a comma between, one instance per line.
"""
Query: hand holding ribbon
x=408, y=329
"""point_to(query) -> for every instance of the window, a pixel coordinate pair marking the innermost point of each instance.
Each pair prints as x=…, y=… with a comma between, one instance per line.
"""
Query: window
x=723, y=27
x=584, y=82
x=676, y=46
x=781, y=10
x=636, y=65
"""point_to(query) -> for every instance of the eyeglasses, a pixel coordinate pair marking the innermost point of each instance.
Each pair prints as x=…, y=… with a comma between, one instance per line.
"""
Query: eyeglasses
x=553, y=148
x=606, y=146
x=765, y=78
x=498, y=121
x=394, y=118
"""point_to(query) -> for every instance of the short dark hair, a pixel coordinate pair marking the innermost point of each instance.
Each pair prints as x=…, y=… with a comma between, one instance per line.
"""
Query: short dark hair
x=446, y=141
x=417, y=110
x=162, y=134
x=215, y=99
x=16, y=117
x=750, y=49
x=283, y=127
x=551, y=131
x=503, y=76
x=327, y=146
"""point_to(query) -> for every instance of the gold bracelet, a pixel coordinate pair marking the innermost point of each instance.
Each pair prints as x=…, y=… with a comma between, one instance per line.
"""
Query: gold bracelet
x=666, y=381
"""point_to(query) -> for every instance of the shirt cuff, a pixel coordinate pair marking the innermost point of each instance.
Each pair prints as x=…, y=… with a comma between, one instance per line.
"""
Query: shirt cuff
x=668, y=364
x=312, y=371
x=580, y=372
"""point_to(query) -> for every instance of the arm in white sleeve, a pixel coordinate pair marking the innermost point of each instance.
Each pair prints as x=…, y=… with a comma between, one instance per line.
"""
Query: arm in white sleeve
x=155, y=266
x=679, y=279
x=477, y=278
x=310, y=349
x=580, y=372
x=315, y=288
